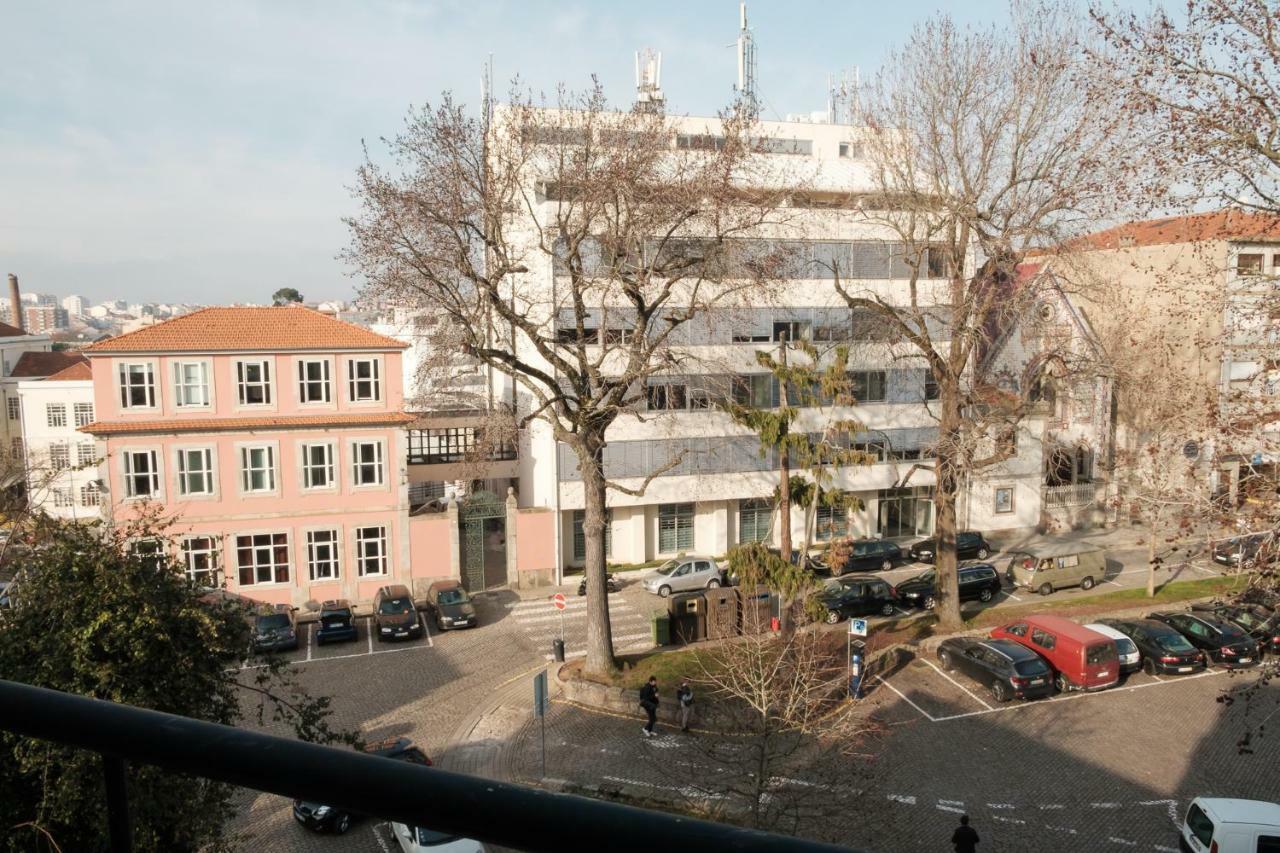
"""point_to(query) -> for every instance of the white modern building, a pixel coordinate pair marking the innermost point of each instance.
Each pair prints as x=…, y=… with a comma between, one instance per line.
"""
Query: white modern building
x=63, y=477
x=74, y=305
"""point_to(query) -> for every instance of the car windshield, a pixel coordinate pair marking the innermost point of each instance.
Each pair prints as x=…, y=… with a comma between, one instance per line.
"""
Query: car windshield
x=1125, y=646
x=1174, y=643
x=393, y=606
x=1030, y=667
x=453, y=596
x=273, y=622
x=925, y=577
x=1232, y=634
x=331, y=615
x=431, y=838
x=668, y=567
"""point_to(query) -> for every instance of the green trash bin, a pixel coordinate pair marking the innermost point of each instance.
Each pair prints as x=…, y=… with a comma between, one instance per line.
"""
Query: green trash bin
x=661, y=629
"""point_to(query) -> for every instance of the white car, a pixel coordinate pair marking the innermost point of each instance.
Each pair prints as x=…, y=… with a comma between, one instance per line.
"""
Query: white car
x=1224, y=825
x=1130, y=657
x=415, y=839
x=682, y=574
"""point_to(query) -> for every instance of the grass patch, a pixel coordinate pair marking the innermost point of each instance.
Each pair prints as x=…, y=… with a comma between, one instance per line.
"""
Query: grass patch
x=1169, y=593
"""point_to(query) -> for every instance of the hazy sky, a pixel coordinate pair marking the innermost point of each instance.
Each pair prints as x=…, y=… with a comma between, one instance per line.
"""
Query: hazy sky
x=201, y=151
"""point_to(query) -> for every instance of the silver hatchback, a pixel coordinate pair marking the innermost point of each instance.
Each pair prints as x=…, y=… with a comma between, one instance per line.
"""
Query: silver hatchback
x=681, y=574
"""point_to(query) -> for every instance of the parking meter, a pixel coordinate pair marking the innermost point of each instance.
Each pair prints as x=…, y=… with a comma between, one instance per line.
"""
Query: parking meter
x=855, y=675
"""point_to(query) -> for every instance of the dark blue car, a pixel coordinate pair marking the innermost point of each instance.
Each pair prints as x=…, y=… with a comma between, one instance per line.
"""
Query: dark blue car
x=337, y=622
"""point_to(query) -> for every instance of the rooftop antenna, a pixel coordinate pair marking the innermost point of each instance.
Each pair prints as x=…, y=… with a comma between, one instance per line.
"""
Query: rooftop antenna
x=649, y=97
x=842, y=96
x=747, y=64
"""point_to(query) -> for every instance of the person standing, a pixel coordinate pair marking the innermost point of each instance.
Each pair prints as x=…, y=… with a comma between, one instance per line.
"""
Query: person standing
x=965, y=838
x=649, y=701
x=684, y=695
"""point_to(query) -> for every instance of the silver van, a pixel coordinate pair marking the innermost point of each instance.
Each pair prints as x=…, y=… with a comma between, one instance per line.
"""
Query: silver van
x=1048, y=566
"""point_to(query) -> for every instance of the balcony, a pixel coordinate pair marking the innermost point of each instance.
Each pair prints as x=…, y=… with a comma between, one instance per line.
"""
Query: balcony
x=1072, y=494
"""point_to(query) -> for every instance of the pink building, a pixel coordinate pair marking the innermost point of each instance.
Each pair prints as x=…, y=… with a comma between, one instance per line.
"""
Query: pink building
x=274, y=440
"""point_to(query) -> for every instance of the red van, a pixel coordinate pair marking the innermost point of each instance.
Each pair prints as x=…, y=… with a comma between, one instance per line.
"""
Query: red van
x=1082, y=658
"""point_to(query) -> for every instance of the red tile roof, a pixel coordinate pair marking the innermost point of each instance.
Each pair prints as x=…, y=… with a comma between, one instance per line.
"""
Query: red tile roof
x=244, y=424
x=237, y=329
x=36, y=364
x=1230, y=224
x=76, y=372
x=7, y=331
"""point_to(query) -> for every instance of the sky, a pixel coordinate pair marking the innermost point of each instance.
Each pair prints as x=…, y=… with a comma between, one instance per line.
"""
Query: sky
x=202, y=152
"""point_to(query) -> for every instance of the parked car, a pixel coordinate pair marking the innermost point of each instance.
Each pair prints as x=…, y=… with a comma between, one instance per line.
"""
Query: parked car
x=865, y=555
x=450, y=606
x=1248, y=551
x=1260, y=623
x=1222, y=642
x=969, y=544
x=337, y=622
x=415, y=839
x=1164, y=651
x=857, y=597
x=275, y=629
x=611, y=584
x=1222, y=825
x=1007, y=669
x=681, y=574
x=1081, y=659
x=978, y=582
x=1130, y=657
x=394, y=614
x=1056, y=565
x=318, y=817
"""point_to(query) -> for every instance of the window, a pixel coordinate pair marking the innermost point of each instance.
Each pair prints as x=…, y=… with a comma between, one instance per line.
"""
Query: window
x=1043, y=639
x=851, y=150
x=195, y=471
x=366, y=463
x=793, y=330
x=203, y=560
x=1019, y=630
x=930, y=386
x=580, y=538
x=55, y=414
x=665, y=397
x=15, y=447
x=263, y=558
x=1069, y=562
x=317, y=466
x=59, y=455
x=322, y=554
x=937, y=262
x=62, y=498
x=84, y=414
x=436, y=446
x=754, y=390
x=831, y=522
x=313, y=381
x=868, y=385
x=1099, y=654
x=90, y=494
x=141, y=473
x=150, y=551
x=15, y=410
x=753, y=520
x=86, y=454
x=675, y=528
x=191, y=384
x=428, y=490
x=362, y=376
x=1249, y=263
x=137, y=386
x=1004, y=499
x=258, y=468
x=371, y=550
x=253, y=383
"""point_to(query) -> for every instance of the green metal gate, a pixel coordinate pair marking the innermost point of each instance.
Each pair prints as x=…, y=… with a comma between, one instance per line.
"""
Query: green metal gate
x=482, y=520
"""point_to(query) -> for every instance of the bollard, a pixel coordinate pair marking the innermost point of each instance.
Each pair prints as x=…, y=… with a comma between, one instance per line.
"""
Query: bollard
x=557, y=650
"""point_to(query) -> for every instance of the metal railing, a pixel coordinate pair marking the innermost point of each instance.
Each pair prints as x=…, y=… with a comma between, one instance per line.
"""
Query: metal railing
x=1074, y=494
x=494, y=812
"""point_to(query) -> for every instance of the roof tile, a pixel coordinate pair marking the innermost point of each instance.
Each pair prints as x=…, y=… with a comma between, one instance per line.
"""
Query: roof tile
x=33, y=365
x=242, y=424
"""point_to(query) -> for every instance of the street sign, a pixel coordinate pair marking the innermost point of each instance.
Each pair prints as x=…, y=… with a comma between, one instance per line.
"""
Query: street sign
x=558, y=600
x=540, y=693
x=858, y=627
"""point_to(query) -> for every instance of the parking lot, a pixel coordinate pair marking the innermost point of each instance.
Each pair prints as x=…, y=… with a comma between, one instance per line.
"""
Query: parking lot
x=309, y=651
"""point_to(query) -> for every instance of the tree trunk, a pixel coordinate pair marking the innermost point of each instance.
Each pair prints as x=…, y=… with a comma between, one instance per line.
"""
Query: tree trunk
x=1151, y=557
x=784, y=468
x=599, y=632
x=944, y=502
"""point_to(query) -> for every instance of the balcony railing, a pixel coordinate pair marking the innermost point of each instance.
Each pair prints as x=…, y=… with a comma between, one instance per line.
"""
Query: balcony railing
x=454, y=803
x=1073, y=494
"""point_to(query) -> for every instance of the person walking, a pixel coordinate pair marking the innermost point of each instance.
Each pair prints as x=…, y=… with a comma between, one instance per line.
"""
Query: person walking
x=684, y=695
x=965, y=838
x=649, y=701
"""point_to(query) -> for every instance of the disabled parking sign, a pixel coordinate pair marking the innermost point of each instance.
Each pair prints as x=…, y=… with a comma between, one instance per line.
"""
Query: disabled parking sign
x=858, y=627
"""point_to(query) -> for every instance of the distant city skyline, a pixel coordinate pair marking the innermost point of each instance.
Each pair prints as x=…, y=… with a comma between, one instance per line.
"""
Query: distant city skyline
x=168, y=153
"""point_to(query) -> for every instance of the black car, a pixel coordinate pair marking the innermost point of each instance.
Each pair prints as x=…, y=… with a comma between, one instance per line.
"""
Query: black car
x=1164, y=650
x=969, y=545
x=337, y=622
x=978, y=582
x=1008, y=669
x=860, y=597
x=611, y=584
x=1223, y=642
x=321, y=818
x=450, y=606
x=1260, y=623
x=1246, y=552
x=394, y=614
x=865, y=555
x=275, y=630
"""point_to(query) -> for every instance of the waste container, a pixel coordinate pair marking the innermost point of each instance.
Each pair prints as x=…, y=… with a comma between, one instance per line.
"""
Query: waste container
x=722, y=613
x=688, y=617
x=557, y=649
x=755, y=610
x=661, y=629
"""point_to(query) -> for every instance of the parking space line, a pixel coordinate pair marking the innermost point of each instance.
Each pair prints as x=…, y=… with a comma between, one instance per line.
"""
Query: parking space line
x=426, y=629
x=369, y=634
x=1011, y=595
x=926, y=714
x=1113, y=583
x=901, y=611
x=957, y=684
x=309, y=632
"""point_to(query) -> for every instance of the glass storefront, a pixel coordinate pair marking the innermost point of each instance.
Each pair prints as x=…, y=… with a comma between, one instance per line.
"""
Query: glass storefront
x=906, y=512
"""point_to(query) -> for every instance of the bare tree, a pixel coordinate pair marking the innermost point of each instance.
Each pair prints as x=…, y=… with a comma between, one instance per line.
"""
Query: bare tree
x=984, y=145
x=567, y=249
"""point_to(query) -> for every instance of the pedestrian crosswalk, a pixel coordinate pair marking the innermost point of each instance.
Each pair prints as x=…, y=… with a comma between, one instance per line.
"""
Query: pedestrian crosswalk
x=542, y=623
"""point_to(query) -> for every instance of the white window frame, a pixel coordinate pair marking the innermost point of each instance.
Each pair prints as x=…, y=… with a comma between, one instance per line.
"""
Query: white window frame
x=243, y=384
x=333, y=564
x=354, y=382
x=371, y=548
x=90, y=489
x=126, y=387
x=14, y=406
x=63, y=449
x=209, y=472
x=182, y=388
x=55, y=415
x=83, y=414
x=244, y=454
x=357, y=463
x=212, y=551
x=85, y=459
x=63, y=498
x=273, y=566
x=305, y=465
x=304, y=399
x=127, y=459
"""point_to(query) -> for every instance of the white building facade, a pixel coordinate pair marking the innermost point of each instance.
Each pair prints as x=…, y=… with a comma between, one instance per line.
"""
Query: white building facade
x=63, y=476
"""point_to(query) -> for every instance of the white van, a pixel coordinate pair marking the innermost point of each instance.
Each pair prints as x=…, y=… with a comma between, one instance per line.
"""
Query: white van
x=1220, y=825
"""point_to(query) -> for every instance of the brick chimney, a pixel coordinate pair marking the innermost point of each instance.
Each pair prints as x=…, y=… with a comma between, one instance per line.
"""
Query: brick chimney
x=15, y=300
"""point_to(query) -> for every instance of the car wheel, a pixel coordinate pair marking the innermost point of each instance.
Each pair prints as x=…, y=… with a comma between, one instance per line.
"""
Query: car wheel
x=832, y=617
x=342, y=824
x=983, y=553
x=985, y=595
x=1046, y=589
x=930, y=602
x=999, y=692
x=1149, y=666
x=664, y=591
x=886, y=565
x=1060, y=681
x=887, y=609
x=713, y=584
x=1087, y=583
x=945, y=660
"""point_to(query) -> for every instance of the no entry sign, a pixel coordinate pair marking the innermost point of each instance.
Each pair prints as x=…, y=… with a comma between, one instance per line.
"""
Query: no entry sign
x=558, y=600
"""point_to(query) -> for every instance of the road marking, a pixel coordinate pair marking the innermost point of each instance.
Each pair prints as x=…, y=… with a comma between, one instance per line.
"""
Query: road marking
x=901, y=612
x=1126, y=842
x=545, y=604
x=1011, y=595
x=1052, y=806
x=952, y=802
x=369, y=634
x=1003, y=819
x=426, y=629
x=900, y=798
x=943, y=808
x=569, y=617
x=1164, y=849
x=1171, y=804
x=1066, y=829
x=1104, y=805
x=309, y=641
x=1113, y=583
x=958, y=684
x=926, y=714
x=1000, y=805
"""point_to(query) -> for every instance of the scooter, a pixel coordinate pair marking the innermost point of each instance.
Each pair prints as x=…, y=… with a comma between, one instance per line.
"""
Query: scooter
x=612, y=584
